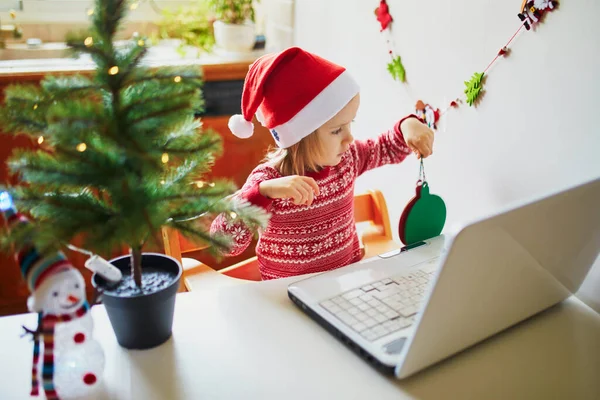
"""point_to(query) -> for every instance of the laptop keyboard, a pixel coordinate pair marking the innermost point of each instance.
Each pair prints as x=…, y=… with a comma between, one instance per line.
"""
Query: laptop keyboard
x=382, y=307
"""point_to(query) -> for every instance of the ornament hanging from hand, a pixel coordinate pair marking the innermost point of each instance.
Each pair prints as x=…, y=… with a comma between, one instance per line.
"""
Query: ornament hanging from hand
x=425, y=214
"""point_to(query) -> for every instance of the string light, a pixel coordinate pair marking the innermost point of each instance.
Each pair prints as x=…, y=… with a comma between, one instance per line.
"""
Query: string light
x=140, y=42
x=134, y=6
x=200, y=184
x=211, y=184
x=177, y=79
x=162, y=182
x=35, y=106
x=13, y=14
x=233, y=215
x=165, y=158
x=40, y=140
x=113, y=70
x=90, y=12
x=81, y=147
x=88, y=41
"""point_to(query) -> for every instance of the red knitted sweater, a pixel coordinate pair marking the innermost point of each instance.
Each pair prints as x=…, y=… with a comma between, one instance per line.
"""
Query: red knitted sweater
x=321, y=237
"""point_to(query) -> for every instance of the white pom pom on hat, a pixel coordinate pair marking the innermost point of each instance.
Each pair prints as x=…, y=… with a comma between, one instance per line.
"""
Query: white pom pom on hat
x=240, y=127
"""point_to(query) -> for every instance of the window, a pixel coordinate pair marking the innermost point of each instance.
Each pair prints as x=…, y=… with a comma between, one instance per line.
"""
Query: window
x=8, y=5
x=39, y=11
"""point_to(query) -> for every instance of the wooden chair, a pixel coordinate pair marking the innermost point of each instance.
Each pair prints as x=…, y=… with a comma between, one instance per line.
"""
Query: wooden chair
x=373, y=227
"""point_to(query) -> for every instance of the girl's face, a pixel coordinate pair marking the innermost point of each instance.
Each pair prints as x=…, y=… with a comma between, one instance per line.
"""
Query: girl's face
x=335, y=135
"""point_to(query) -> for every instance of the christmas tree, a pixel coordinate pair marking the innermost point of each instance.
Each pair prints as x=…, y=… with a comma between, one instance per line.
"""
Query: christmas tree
x=120, y=153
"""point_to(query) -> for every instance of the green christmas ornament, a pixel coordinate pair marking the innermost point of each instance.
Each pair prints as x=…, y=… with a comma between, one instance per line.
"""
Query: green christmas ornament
x=424, y=216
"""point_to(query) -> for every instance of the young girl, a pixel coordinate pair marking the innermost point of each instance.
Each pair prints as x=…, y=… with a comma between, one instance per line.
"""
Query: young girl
x=307, y=185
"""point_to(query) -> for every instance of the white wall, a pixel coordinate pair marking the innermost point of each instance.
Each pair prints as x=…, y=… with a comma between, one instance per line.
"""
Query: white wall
x=535, y=130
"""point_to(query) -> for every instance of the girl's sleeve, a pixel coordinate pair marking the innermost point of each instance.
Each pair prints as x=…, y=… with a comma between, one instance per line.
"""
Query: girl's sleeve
x=387, y=148
x=240, y=234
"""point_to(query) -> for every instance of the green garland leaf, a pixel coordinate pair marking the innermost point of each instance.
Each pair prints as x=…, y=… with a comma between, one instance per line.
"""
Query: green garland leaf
x=396, y=69
x=474, y=87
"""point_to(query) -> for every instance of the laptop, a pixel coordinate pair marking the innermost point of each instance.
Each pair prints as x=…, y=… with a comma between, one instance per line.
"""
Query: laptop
x=410, y=308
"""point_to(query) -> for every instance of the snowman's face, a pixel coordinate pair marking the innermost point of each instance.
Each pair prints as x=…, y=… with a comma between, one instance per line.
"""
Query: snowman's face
x=62, y=293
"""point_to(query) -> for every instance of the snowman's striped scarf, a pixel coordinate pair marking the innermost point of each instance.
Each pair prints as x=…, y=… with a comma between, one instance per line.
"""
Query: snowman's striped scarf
x=45, y=329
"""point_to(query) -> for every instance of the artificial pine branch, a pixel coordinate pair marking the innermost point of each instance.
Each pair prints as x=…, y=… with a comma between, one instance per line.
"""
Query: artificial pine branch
x=216, y=243
x=70, y=85
x=169, y=74
x=140, y=103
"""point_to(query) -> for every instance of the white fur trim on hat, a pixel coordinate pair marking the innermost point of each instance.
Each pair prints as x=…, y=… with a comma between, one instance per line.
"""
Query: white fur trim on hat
x=321, y=109
x=240, y=127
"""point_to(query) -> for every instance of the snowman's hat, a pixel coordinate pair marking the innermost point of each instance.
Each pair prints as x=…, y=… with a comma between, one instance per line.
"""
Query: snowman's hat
x=36, y=267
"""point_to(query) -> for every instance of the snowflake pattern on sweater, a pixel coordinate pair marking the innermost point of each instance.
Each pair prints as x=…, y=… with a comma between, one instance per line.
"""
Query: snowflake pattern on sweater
x=303, y=239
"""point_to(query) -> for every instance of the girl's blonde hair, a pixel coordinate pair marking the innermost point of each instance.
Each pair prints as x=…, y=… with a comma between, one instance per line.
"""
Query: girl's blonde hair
x=297, y=159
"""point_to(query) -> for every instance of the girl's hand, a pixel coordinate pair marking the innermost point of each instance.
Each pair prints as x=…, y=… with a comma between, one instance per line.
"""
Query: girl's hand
x=418, y=137
x=301, y=189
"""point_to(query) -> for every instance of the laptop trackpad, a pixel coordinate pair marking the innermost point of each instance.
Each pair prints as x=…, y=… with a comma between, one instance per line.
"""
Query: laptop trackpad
x=395, y=347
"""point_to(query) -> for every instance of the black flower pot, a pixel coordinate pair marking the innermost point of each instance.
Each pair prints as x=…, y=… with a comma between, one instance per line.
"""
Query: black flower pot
x=142, y=319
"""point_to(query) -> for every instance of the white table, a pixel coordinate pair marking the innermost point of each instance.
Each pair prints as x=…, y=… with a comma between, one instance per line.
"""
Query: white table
x=250, y=342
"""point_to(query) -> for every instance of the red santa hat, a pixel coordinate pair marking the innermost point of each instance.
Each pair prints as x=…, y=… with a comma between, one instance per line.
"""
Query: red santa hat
x=292, y=94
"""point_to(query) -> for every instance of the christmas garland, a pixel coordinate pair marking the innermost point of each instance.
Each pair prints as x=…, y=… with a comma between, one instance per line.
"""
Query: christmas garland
x=531, y=13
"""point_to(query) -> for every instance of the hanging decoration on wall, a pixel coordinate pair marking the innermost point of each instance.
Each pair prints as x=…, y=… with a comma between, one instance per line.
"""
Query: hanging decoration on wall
x=533, y=10
x=474, y=88
x=383, y=15
x=531, y=14
x=67, y=362
x=395, y=67
x=425, y=214
x=427, y=114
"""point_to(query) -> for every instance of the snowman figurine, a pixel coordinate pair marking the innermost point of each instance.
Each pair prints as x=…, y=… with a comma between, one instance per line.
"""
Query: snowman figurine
x=67, y=362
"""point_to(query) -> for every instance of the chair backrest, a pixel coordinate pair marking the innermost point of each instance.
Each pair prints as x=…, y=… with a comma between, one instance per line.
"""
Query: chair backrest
x=369, y=207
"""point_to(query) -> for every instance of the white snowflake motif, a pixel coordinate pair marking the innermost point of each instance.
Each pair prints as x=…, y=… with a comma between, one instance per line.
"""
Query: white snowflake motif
x=348, y=179
x=302, y=249
x=285, y=202
x=317, y=247
x=339, y=238
x=324, y=191
x=335, y=187
x=228, y=224
x=328, y=242
x=238, y=233
x=287, y=249
x=274, y=248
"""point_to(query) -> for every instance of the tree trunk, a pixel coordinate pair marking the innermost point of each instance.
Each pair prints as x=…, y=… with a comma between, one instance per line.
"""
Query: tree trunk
x=136, y=265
